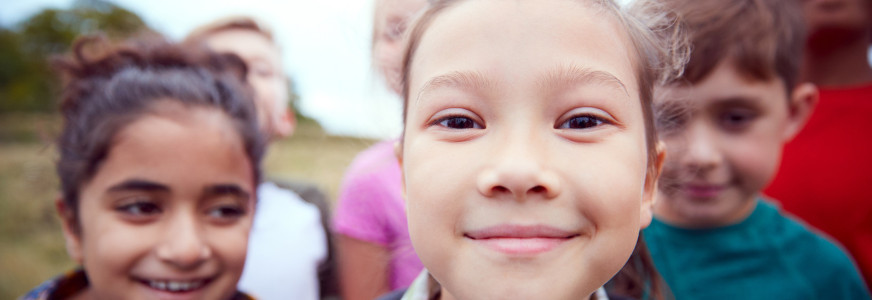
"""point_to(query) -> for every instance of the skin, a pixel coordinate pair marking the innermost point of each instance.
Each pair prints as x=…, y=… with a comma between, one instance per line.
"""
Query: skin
x=265, y=76
x=173, y=201
x=491, y=124
x=725, y=136
x=364, y=274
x=840, y=34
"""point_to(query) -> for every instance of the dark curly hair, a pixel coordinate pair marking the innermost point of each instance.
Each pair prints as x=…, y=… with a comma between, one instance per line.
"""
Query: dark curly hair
x=107, y=86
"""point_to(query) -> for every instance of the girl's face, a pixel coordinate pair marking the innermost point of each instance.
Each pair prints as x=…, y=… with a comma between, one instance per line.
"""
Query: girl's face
x=524, y=155
x=167, y=214
x=391, y=20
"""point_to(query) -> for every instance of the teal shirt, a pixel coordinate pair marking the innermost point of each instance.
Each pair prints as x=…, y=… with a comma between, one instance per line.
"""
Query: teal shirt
x=766, y=256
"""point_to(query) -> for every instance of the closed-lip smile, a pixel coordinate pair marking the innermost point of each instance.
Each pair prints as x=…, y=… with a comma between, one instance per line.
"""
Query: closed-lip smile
x=520, y=239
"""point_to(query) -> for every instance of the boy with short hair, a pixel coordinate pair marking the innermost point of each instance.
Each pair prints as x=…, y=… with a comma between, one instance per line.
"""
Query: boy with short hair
x=724, y=123
x=289, y=241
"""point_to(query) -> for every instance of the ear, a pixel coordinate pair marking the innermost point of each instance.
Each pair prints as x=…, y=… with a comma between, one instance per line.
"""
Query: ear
x=649, y=195
x=803, y=99
x=71, y=229
x=286, y=123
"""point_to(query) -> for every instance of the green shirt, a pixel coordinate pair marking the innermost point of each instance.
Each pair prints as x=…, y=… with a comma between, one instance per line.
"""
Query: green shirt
x=766, y=256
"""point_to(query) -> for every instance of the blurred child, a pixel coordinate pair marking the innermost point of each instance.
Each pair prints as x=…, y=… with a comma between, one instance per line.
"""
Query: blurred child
x=824, y=174
x=159, y=160
x=724, y=123
x=375, y=252
x=288, y=242
x=529, y=154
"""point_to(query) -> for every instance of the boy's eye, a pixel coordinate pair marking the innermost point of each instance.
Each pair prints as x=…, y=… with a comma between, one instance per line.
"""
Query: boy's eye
x=458, y=122
x=582, y=122
x=736, y=120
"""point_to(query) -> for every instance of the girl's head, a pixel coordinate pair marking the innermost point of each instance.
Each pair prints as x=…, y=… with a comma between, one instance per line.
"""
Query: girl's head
x=391, y=19
x=158, y=165
x=529, y=152
x=253, y=42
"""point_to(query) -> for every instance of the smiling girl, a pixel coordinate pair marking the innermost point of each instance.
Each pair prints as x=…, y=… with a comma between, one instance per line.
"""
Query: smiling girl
x=159, y=160
x=529, y=153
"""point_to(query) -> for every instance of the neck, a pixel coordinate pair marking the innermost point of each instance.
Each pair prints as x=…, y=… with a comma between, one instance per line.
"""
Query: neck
x=845, y=65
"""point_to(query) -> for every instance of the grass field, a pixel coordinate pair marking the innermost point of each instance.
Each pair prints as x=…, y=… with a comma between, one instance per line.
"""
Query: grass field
x=31, y=245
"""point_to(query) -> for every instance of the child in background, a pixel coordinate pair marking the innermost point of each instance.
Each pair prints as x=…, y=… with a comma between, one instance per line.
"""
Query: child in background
x=159, y=160
x=529, y=155
x=824, y=176
x=724, y=123
x=374, y=250
x=288, y=240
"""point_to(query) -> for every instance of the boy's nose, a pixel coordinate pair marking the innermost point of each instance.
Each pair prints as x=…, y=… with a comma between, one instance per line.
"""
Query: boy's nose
x=520, y=169
x=701, y=153
x=183, y=244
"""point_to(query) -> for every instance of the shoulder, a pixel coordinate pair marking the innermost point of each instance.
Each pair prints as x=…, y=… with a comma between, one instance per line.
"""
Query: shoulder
x=61, y=287
x=377, y=158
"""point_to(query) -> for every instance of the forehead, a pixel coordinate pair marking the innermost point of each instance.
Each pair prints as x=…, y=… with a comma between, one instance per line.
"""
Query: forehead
x=498, y=38
x=246, y=43
x=394, y=10
x=725, y=82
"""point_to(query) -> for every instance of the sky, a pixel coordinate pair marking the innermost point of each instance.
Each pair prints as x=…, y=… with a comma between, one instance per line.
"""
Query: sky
x=325, y=45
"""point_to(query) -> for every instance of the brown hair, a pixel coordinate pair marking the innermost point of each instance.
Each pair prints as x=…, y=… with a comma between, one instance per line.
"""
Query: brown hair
x=660, y=53
x=200, y=34
x=764, y=39
x=109, y=86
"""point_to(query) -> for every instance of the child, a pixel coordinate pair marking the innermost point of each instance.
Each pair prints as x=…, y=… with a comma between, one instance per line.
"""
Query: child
x=724, y=123
x=288, y=240
x=375, y=252
x=828, y=186
x=159, y=159
x=529, y=153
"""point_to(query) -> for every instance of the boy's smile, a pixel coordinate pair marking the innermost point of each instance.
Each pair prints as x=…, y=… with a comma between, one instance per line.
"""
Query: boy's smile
x=524, y=154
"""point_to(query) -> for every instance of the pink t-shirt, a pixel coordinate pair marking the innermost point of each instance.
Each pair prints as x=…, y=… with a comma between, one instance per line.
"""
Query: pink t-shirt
x=371, y=208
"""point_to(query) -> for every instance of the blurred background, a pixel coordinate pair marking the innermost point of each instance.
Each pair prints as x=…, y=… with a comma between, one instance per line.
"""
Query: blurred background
x=341, y=106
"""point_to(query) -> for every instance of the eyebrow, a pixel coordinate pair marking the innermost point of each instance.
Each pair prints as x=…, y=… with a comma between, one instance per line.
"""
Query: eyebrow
x=469, y=81
x=572, y=75
x=559, y=78
x=225, y=189
x=139, y=185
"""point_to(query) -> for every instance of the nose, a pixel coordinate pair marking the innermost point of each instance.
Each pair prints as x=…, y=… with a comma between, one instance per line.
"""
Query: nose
x=701, y=153
x=184, y=245
x=520, y=168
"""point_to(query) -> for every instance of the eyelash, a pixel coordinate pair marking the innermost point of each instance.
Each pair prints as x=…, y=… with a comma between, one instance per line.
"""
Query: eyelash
x=450, y=122
x=584, y=119
x=139, y=209
x=226, y=212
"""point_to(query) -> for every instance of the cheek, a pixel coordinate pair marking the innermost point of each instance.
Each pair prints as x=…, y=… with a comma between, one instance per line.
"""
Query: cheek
x=231, y=244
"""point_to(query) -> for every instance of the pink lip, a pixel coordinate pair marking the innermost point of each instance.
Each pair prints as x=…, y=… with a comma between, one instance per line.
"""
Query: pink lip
x=703, y=190
x=521, y=240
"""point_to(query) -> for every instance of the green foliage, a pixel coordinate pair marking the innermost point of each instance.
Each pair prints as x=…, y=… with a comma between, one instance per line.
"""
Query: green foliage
x=26, y=80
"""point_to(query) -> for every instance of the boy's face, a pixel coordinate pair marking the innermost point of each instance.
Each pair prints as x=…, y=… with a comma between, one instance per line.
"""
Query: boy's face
x=392, y=17
x=168, y=213
x=724, y=138
x=524, y=155
x=264, y=75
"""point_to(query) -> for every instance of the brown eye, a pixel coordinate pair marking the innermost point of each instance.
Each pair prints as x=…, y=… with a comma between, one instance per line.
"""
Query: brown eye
x=458, y=122
x=582, y=122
